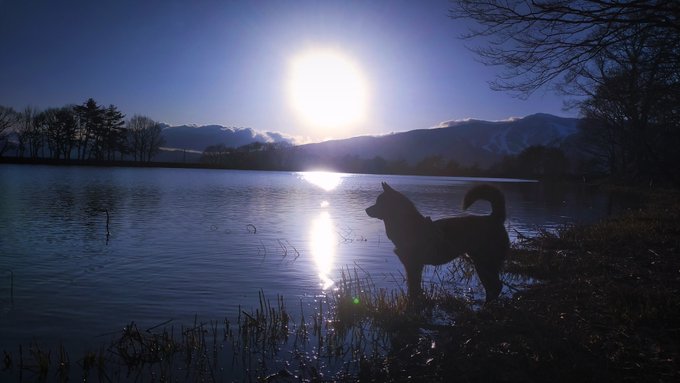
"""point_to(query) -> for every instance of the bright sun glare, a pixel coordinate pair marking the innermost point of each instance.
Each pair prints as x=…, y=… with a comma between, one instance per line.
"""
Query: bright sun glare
x=327, y=90
x=325, y=180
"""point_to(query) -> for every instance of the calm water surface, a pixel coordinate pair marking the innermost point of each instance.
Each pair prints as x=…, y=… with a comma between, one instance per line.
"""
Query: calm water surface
x=183, y=243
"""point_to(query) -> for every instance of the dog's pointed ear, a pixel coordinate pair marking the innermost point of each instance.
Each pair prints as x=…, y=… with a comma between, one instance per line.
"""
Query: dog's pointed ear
x=386, y=187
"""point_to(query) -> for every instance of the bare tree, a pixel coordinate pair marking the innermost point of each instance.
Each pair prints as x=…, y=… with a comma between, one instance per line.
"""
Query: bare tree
x=59, y=130
x=136, y=140
x=155, y=139
x=66, y=121
x=28, y=134
x=44, y=123
x=556, y=41
x=144, y=138
x=8, y=119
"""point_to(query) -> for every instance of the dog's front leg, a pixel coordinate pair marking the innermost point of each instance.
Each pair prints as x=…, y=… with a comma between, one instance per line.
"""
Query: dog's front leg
x=414, y=276
x=414, y=272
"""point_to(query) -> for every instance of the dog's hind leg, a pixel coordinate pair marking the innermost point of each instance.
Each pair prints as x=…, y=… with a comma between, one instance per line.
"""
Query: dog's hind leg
x=488, y=275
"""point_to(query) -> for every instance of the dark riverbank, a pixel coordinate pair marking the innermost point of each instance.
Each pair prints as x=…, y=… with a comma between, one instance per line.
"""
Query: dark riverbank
x=605, y=309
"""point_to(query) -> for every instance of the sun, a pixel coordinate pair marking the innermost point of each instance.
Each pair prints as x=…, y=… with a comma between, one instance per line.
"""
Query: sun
x=327, y=90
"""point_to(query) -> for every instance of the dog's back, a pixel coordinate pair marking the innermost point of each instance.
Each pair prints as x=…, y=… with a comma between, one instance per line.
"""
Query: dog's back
x=477, y=235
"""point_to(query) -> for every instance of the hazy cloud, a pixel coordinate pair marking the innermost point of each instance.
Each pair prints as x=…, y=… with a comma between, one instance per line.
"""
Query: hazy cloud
x=451, y=123
x=193, y=137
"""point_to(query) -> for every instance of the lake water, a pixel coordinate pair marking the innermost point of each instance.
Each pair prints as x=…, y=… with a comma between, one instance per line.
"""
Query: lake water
x=185, y=242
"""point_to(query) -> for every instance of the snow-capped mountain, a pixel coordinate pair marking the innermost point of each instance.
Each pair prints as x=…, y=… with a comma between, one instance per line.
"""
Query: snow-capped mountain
x=513, y=135
x=468, y=142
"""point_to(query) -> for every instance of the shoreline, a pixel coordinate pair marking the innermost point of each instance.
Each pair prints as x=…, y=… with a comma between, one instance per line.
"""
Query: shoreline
x=102, y=163
x=198, y=165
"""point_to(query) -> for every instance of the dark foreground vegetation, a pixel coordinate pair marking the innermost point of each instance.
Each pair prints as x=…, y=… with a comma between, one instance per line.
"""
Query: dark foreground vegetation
x=604, y=307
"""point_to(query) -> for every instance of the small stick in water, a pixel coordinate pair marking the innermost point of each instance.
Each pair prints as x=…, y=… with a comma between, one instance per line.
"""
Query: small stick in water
x=108, y=220
x=11, y=286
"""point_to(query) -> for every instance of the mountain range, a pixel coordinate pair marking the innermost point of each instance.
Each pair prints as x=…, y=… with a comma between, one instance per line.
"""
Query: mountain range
x=468, y=142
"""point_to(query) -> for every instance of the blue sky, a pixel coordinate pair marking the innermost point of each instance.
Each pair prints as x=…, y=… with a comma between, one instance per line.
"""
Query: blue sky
x=225, y=62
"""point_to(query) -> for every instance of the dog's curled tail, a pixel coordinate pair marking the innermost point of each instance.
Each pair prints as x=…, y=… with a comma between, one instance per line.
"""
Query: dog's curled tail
x=487, y=193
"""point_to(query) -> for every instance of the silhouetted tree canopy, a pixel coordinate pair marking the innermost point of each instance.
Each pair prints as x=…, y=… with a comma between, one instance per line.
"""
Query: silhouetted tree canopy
x=632, y=119
x=90, y=126
x=538, y=42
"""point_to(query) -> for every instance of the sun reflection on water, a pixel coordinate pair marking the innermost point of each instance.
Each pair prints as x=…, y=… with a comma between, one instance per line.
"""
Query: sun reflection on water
x=323, y=239
x=325, y=180
x=323, y=244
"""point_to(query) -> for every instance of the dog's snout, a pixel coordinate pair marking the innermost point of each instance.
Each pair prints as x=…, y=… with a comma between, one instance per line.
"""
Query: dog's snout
x=371, y=211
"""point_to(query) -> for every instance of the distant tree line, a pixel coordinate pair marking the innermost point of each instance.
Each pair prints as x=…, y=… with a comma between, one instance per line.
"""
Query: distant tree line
x=78, y=132
x=536, y=162
x=533, y=162
x=253, y=156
